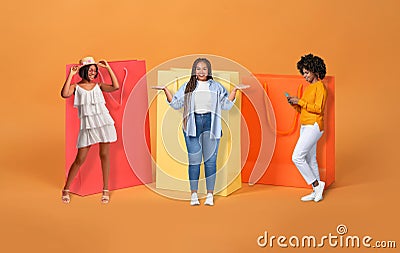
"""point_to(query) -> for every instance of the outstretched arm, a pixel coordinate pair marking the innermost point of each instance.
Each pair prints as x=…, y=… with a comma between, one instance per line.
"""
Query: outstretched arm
x=175, y=101
x=114, y=81
x=232, y=95
x=68, y=88
x=168, y=94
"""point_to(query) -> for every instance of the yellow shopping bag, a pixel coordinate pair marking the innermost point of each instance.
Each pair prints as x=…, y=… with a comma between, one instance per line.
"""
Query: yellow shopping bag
x=171, y=153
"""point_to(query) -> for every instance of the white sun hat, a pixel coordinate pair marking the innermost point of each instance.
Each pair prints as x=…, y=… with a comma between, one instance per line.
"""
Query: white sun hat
x=87, y=60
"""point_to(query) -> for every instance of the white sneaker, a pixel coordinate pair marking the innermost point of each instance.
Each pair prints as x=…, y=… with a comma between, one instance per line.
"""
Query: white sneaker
x=194, y=200
x=209, y=200
x=308, y=197
x=318, y=191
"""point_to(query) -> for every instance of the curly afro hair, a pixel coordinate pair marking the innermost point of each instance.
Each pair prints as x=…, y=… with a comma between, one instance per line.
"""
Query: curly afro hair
x=312, y=63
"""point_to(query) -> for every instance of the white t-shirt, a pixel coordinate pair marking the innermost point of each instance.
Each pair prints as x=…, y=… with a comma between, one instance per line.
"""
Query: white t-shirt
x=202, y=97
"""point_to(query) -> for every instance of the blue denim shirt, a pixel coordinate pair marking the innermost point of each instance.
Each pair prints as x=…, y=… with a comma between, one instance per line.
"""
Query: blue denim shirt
x=219, y=101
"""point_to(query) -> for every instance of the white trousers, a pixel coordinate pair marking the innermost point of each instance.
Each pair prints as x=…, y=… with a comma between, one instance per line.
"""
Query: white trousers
x=305, y=153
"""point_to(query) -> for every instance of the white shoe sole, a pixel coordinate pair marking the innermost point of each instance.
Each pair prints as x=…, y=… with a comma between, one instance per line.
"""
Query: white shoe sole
x=208, y=203
x=318, y=195
x=317, y=200
x=194, y=203
x=307, y=199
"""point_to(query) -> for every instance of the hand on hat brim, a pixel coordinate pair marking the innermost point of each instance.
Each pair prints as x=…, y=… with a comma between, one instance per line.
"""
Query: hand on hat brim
x=75, y=68
x=103, y=63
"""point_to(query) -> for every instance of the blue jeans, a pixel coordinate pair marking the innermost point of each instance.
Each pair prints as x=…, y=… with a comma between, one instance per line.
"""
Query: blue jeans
x=202, y=146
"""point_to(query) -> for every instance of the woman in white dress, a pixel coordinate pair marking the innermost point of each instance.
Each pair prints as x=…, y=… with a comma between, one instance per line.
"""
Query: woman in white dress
x=96, y=124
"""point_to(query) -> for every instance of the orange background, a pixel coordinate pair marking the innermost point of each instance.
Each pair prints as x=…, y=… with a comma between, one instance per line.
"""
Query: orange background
x=359, y=41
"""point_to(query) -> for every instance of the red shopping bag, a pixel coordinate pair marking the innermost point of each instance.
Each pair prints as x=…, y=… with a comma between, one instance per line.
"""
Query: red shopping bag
x=89, y=178
x=285, y=124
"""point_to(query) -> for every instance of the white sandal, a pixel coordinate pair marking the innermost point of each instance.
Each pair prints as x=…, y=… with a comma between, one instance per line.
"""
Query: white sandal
x=106, y=197
x=65, y=196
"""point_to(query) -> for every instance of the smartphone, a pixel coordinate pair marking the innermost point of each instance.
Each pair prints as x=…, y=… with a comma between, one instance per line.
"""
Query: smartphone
x=287, y=97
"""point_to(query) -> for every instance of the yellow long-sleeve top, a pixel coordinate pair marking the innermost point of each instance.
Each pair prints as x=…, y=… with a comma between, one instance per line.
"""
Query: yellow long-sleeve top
x=312, y=104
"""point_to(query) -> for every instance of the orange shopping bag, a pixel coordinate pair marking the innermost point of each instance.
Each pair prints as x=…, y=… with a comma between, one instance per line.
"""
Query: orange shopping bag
x=284, y=123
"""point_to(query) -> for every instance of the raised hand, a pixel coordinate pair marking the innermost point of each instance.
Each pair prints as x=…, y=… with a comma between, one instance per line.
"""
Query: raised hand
x=74, y=69
x=103, y=64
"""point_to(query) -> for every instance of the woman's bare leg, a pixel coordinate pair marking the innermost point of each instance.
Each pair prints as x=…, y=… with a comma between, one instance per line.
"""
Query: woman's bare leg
x=73, y=170
x=104, y=154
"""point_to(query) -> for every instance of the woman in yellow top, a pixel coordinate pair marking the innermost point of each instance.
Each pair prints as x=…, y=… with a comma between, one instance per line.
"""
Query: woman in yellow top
x=311, y=107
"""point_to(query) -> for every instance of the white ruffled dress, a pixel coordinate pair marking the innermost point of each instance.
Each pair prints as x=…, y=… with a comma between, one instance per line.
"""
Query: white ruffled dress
x=96, y=123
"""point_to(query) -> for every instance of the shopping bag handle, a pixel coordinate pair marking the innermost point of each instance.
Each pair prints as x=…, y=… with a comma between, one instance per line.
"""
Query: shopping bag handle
x=118, y=103
x=296, y=114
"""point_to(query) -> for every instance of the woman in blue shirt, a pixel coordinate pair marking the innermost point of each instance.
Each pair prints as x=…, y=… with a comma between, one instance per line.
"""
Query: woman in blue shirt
x=202, y=100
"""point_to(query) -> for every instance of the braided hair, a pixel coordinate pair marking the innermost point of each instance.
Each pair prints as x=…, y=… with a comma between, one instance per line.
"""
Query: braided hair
x=191, y=86
x=312, y=63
